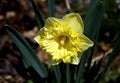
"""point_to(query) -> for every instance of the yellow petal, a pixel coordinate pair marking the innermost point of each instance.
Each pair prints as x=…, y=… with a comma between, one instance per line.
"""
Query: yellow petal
x=67, y=59
x=85, y=42
x=51, y=62
x=51, y=21
x=74, y=20
x=39, y=35
x=76, y=60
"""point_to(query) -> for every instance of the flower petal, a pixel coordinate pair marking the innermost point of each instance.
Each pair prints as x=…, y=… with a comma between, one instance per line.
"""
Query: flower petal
x=51, y=62
x=76, y=60
x=85, y=42
x=39, y=35
x=51, y=21
x=74, y=20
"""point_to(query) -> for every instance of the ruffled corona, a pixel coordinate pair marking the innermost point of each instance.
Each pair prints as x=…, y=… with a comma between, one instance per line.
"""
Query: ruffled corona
x=63, y=39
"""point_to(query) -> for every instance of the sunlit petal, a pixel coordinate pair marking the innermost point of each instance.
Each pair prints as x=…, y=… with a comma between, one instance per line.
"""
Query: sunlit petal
x=74, y=20
x=85, y=42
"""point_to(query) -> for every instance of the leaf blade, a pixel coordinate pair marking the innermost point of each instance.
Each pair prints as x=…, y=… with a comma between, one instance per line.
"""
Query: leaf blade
x=26, y=50
x=57, y=73
x=93, y=19
x=51, y=8
x=38, y=15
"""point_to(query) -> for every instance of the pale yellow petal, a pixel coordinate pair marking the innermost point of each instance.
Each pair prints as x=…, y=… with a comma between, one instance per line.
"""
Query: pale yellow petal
x=85, y=42
x=51, y=62
x=76, y=60
x=75, y=22
x=51, y=21
x=67, y=59
x=39, y=35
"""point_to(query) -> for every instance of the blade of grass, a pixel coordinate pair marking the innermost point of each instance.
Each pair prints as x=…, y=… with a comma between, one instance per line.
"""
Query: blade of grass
x=38, y=15
x=92, y=25
x=51, y=8
x=68, y=6
x=27, y=52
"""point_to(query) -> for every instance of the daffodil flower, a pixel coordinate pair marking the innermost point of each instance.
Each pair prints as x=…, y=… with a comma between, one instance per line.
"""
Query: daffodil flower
x=63, y=39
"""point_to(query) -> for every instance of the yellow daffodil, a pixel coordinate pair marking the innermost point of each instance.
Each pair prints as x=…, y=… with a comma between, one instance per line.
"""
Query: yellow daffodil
x=63, y=39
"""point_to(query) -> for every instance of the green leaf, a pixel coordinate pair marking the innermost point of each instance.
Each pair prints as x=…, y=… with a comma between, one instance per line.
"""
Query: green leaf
x=57, y=73
x=28, y=55
x=92, y=53
x=92, y=25
x=51, y=8
x=94, y=18
x=68, y=75
x=38, y=15
x=81, y=67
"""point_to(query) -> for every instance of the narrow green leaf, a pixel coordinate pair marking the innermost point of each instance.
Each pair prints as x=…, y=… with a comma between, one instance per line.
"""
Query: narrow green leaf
x=38, y=15
x=94, y=18
x=89, y=60
x=57, y=73
x=81, y=67
x=29, y=56
x=51, y=8
x=92, y=53
x=68, y=73
x=26, y=63
x=92, y=2
x=97, y=80
x=92, y=25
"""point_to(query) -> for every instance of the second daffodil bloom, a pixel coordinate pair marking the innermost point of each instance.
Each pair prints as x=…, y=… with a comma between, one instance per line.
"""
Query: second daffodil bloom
x=63, y=39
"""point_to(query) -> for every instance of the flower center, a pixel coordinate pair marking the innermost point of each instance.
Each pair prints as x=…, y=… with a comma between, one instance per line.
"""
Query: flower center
x=63, y=40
